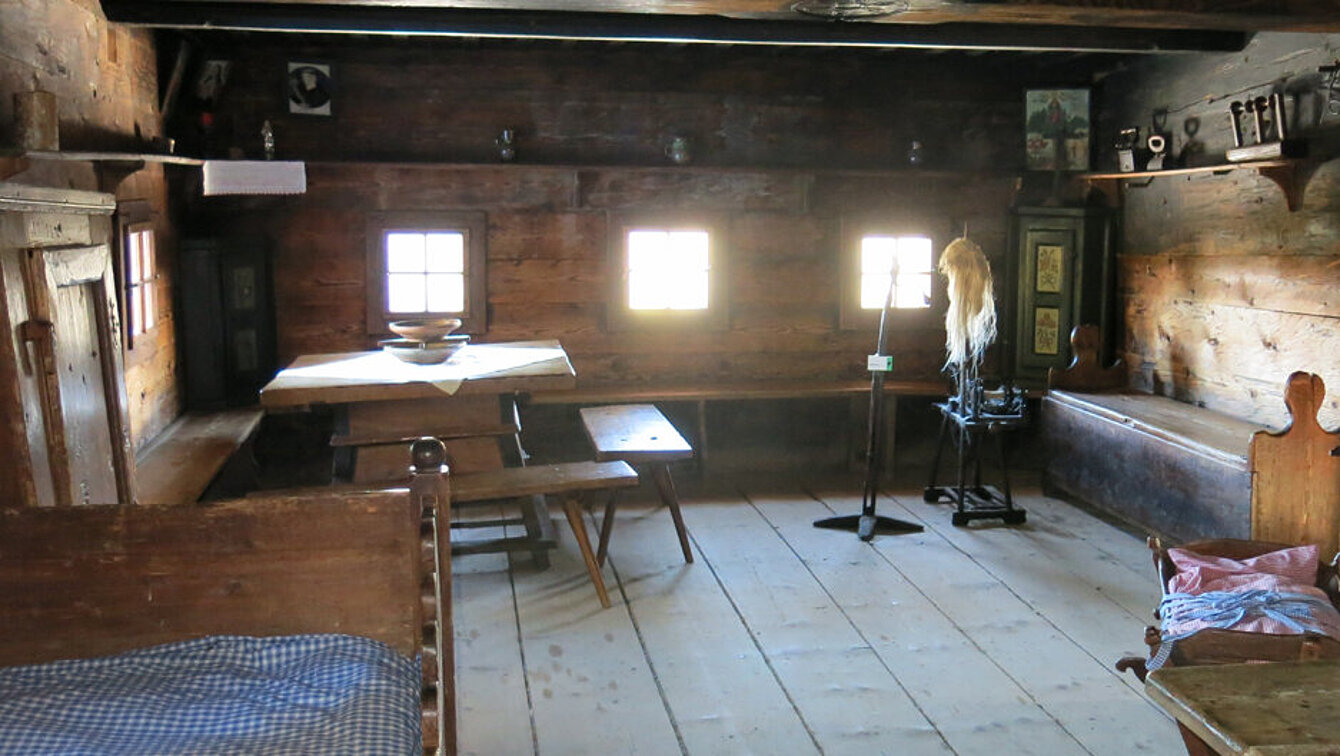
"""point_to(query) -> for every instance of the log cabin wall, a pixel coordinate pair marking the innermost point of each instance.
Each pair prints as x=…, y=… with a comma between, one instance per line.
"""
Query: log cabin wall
x=786, y=144
x=105, y=78
x=1225, y=291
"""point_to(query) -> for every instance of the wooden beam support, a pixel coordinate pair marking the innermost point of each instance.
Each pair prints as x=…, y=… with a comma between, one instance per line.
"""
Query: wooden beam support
x=1254, y=15
x=600, y=21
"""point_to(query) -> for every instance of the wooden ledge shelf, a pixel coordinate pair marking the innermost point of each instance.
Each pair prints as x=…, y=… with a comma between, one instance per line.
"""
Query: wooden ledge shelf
x=1290, y=174
x=112, y=167
x=696, y=168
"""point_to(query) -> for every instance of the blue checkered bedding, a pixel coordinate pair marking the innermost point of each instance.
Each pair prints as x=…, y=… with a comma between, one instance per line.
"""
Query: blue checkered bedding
x=299, y=694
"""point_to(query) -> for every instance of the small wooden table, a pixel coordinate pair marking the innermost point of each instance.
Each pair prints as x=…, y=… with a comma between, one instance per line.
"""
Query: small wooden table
x=382, y=404
x=1274, y=709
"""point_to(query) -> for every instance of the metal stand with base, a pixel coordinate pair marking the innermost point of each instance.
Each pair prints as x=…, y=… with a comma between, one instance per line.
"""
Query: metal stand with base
x=867, y=523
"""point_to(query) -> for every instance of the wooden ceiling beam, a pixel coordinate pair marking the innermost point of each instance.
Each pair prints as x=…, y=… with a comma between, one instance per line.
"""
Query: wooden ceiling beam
x=1223, y=15
x=418, y=19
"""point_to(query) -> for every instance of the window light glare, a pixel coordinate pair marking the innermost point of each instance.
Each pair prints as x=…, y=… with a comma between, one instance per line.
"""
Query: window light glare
x=668, y=270
x=913, y=256
x=406, y=292
x=405, y=252
x=445, y=252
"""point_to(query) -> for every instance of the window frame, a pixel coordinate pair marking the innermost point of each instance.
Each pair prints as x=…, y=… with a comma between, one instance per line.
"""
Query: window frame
x=134, y=216
x=621, y=317
x=473, y=224
x=851, y=315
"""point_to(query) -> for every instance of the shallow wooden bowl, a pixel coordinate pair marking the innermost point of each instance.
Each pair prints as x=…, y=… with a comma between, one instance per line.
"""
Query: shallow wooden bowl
x=424, y=352
x=426, y=329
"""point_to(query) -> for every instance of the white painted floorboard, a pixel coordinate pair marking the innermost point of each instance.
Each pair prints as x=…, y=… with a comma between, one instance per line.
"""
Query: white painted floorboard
x=786, y=639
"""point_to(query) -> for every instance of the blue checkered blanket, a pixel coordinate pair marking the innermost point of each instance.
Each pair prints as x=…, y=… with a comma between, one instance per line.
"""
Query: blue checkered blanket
x=300, y=694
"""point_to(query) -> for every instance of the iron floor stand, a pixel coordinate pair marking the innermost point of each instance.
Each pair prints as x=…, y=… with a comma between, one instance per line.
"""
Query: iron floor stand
x=974, y=501
x=867, y=523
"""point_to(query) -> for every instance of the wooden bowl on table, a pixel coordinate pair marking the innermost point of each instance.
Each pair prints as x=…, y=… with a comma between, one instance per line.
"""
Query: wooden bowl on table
x=425, y=329
x=424, y=352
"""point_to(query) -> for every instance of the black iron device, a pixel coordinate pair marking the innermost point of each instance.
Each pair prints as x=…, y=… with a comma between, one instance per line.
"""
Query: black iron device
x=968, y=420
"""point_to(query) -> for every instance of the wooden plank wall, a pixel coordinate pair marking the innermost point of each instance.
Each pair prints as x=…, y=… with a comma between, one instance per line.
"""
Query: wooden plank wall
x=1226, y=292
x=105, y=78
x=413, y=129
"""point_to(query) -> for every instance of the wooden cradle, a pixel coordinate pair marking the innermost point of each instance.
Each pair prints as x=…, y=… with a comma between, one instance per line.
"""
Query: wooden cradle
x=80, y=582
x=1295, y=500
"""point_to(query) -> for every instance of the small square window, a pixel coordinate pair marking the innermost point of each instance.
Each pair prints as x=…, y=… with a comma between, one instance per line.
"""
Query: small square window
x=426, y=264
x=668, y=273
x=668, y=270
x=891, y=259
x=907, y=257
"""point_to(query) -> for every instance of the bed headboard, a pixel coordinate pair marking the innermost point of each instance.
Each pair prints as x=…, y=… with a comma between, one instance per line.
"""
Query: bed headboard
x=1296, y=473
x=87, y=581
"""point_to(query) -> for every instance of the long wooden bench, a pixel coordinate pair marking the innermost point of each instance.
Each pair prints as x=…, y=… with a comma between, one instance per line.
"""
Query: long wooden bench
x=196, y=452
x=568, y=481
x=857, y=390
x=1175, y=468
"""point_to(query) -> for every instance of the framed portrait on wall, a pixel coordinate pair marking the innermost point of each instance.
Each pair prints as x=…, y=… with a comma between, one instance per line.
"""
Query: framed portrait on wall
x=1056, y=124
x=310, y=88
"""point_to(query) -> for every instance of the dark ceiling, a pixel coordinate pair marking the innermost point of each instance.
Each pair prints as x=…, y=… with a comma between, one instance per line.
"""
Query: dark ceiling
x=1136, y=26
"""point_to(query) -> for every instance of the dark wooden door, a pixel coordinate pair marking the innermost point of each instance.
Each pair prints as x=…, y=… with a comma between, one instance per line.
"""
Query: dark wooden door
x=76, y=340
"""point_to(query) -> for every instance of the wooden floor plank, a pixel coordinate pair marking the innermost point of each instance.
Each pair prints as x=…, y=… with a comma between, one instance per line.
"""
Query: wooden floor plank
x=973, y=575
x=592, y=689
x=1125, y=548
x=977, y=707
x=1102, y=607
x=721, y=692
x=783, y=638
x=490, y=679
x=849, y=700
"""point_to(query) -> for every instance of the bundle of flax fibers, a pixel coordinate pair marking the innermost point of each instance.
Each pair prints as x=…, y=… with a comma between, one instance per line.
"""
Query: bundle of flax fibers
x=970, y=323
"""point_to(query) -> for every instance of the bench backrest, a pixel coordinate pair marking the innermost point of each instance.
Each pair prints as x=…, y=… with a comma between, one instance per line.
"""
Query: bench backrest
x=1296, y=473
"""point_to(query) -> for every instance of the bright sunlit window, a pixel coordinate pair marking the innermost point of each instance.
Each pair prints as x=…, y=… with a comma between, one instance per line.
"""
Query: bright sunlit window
x=668, y=269
x=425, y=272
x=141, y=272
x=906, y=257
x=427, y=264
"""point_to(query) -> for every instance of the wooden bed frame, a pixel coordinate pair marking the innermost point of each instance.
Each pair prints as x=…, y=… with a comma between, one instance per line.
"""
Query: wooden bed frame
x=87, y=581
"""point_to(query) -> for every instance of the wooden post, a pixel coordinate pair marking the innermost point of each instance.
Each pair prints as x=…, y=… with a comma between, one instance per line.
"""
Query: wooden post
x=431, y=489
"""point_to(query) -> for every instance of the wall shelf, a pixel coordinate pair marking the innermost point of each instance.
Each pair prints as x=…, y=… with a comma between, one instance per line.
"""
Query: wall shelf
x=1290, y=174
x=112, y=167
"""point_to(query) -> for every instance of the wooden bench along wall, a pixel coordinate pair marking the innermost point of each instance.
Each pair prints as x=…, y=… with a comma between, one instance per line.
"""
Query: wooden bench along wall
x=1168, y=466
x=700, y=395
x=1174, y=468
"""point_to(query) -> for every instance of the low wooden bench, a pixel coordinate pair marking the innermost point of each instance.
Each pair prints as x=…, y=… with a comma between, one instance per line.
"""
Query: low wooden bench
x=641, y=436
x=567, y=480
x=198, y=454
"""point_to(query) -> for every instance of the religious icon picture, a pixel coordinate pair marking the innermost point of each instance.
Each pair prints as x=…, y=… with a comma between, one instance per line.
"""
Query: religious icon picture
x=1049, y=269
x=1046, y=330
x=1057, y=129
x=310, y=88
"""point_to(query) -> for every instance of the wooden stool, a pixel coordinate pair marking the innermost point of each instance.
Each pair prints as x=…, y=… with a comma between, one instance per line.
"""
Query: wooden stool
x=641, y=436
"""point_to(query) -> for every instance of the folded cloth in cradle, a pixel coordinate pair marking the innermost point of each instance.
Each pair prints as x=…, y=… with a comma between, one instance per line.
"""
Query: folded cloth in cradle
x=1273, y=593
x=298, y=694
